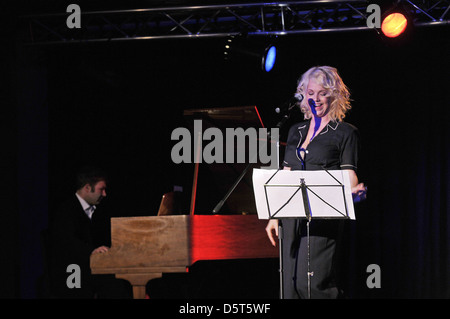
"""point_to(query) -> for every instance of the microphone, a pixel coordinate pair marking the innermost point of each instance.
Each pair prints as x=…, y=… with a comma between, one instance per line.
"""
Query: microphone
x=298, y=96
x=291, y=102
x=312, y=104
x=288, y=106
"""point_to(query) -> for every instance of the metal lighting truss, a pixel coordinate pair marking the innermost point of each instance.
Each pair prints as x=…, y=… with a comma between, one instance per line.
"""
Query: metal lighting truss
x=252, y=19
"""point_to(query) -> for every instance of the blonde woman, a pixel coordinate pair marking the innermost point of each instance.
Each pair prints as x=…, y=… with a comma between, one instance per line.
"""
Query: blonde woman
x=322, y=141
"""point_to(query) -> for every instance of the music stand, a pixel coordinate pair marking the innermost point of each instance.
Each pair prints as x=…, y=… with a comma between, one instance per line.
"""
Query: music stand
x=302, y=194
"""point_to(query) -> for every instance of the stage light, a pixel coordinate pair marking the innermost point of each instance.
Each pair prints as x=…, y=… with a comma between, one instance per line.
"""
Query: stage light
x=250, y=51
x=269, y=58
x=394, y=25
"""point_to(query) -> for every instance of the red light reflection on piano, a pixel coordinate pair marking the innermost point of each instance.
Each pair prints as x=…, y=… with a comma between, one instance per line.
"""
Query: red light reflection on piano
x=215, y=237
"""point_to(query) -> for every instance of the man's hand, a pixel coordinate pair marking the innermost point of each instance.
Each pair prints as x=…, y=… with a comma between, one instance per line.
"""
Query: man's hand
x=100, y=250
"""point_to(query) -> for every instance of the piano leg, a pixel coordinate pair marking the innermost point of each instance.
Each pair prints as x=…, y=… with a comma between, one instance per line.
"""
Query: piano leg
x=139, y=281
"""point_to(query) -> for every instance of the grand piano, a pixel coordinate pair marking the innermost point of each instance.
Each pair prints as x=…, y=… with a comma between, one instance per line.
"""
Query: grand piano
x=145, y=248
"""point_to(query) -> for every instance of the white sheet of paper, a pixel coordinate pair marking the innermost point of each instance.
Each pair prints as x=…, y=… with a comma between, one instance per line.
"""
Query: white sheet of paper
x=326, y=197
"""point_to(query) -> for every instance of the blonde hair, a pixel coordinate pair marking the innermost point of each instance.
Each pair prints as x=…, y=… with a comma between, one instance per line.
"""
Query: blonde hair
x=338, y=92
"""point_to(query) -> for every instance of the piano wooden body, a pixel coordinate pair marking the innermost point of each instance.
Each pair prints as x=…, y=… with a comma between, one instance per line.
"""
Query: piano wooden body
x=143, y=248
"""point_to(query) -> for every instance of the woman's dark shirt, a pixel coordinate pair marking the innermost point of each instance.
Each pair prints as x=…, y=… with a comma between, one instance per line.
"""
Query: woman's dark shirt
x=335, y=147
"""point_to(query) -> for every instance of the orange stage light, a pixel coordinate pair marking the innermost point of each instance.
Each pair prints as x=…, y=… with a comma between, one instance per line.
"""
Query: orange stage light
x=394, y=24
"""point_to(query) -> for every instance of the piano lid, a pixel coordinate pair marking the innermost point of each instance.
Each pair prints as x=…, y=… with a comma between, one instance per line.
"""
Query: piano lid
x=233, y=117
x=211, y=182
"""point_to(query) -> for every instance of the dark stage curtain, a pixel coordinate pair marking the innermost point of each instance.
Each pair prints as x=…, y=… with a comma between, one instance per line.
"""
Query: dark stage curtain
x=404, y=226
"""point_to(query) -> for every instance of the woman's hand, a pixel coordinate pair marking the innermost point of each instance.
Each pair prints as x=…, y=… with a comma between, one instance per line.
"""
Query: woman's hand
x=271, y=228
x=359, y=193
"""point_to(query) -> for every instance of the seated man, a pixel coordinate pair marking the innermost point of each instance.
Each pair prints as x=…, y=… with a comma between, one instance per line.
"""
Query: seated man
x=74, y=229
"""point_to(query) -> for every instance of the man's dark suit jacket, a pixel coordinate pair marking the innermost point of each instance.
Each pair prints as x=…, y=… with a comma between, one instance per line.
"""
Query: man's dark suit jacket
x=73, y=237
x=72, y=242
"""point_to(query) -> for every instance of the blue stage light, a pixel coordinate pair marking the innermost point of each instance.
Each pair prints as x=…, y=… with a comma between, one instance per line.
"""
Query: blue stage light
x=269, y=58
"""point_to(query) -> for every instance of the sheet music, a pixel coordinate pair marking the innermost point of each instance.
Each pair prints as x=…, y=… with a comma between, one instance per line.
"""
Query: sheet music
x=278, y=194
